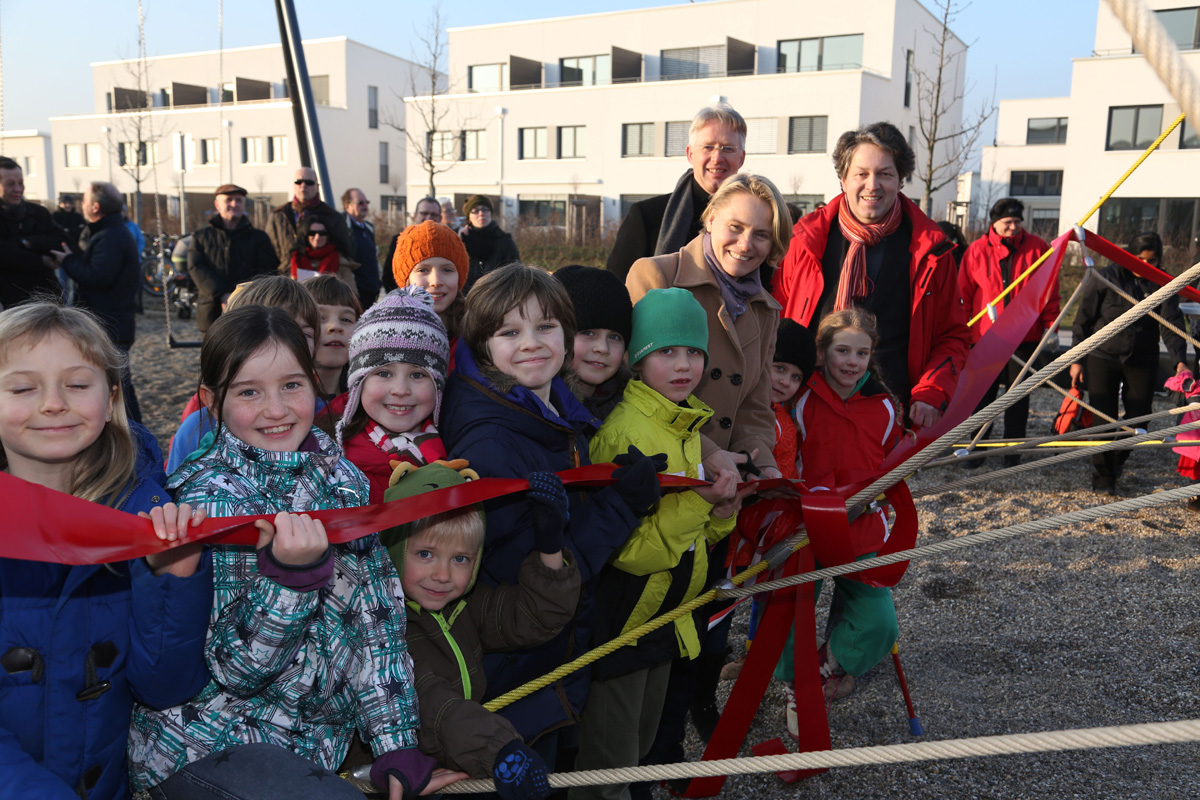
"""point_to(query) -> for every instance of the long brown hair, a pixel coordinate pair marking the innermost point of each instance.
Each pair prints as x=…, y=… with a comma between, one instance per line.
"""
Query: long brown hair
x=860, y=319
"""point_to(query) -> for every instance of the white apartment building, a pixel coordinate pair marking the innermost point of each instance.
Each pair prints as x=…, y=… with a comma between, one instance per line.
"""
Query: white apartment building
x=226, y=114
x=31, y=149
x=570, y=120
x=1060, y=154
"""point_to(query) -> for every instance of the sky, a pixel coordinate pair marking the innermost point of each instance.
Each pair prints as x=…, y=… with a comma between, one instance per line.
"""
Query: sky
x=1021, y=48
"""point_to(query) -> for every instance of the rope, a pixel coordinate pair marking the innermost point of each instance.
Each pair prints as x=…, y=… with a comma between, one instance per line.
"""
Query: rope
x=1179, y=732
x=1153, y=314
x=1150, y=38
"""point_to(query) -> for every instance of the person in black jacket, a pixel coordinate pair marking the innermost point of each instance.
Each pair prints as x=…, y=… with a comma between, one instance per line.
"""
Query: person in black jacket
x=285, y=220
x=228, y=251
x=67, y=218
x=1126, y=366
x=27, y=237
x=107, y=274
x=487, y=246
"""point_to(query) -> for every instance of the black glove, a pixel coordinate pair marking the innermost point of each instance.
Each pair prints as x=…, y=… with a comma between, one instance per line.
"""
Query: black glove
x=520, y=773
x=551, y=511
x=628, y=459
x=637, y=480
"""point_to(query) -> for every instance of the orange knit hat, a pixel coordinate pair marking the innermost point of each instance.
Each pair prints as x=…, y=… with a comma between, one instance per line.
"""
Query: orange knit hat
x=428, y=240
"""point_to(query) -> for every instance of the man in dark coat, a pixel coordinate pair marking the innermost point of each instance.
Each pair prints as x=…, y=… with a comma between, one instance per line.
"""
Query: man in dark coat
x=366, y=252
x=67, y=218
x=487, y=245
x=27, y=237
x=283, y=222
x=226, y=252
x=664, y=224
x=108, y=273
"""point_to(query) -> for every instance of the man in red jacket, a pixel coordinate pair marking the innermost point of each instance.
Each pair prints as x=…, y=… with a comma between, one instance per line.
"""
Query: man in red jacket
x=871, y=247
x=991, y=264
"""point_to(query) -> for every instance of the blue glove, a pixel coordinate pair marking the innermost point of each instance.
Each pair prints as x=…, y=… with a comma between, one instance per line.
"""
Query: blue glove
x=551, y=511
x=520, y=773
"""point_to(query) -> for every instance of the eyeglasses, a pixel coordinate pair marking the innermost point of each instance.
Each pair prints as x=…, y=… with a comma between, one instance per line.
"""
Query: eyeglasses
x=305, y=182
x=726, y=149
x=315, y=234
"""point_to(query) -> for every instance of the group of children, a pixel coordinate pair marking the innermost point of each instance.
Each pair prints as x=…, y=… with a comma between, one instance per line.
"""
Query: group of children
x=251, y=671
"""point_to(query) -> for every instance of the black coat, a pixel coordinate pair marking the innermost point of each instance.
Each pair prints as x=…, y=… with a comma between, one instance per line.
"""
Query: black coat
x=638, y=234
x=220, y=259
x=27, y=233
x=107, y=275
x=487, y=248
x=72, y=222
x=1137, y=344
x=281, y=227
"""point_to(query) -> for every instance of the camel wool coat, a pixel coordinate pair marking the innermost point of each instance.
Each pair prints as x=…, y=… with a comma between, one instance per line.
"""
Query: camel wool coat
x=737, y=381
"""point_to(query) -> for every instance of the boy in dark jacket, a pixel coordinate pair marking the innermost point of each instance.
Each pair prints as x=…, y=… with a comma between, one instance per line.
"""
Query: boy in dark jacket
x=451, y=622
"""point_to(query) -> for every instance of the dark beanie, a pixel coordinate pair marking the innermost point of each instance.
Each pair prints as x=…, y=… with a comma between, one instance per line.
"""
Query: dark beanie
x=600, y=299
x=1007, y=207
x=794, y=344
x=477, y=200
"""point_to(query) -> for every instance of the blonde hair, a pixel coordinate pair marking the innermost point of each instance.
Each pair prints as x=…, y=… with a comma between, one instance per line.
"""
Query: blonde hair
x=763, y=189
x=105, y=466
x=462, y=524
x=277, y=291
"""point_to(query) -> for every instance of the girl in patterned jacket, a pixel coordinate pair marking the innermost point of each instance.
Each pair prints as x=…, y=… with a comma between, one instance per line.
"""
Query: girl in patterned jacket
x=306, y=641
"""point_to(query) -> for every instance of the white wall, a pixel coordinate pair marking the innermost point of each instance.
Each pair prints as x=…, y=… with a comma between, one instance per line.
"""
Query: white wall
x=32, y=150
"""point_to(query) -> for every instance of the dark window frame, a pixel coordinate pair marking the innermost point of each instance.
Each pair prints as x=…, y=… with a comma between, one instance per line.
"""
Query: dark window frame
x=1108, y=147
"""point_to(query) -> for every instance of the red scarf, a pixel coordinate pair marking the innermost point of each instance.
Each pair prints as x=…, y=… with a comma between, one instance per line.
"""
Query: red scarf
x=852, y=285
x=323, y=259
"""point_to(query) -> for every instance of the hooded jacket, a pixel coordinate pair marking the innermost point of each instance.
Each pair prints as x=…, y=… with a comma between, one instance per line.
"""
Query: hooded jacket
x=487, y=247
x=107, y=275
x=298, y=669
x=938, y=335
x=665, y=561
x=62, y=733
x=219, y=259
x=984, y=274
x=506, y=433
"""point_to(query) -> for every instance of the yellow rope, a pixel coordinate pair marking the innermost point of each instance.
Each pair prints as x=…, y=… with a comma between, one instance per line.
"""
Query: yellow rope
x=1103, y=199
x=625, y=638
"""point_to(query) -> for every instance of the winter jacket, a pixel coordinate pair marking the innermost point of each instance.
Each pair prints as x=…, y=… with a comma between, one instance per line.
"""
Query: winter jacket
x=505, y=432
x=219, y=259
x=843, y=441
x=366, y=253
x=992, y=263
x=299, y=669
x=107, y=276
x=487, y=247
x=737, y=382
x=638, y=234
x=282, y=226
x=786, y=446
x=447, y=649
x=27, y=233
x=376, y=464
x=665, y=561
x=1137, y=344
x=71, y=222
x=104, y=636
x=938, y=336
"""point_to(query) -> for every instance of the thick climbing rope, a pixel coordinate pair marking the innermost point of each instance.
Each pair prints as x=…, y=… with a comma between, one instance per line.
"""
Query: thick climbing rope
x=1179, y=732
x=1159, y=318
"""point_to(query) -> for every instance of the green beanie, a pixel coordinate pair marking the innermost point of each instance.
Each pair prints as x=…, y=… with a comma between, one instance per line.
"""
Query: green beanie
x=667, y=318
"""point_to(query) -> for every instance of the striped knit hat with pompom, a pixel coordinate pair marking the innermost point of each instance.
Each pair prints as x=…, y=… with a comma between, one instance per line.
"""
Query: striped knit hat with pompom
x=400, y=328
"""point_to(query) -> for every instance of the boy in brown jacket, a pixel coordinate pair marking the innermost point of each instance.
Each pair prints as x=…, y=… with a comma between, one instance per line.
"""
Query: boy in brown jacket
x=452, y=622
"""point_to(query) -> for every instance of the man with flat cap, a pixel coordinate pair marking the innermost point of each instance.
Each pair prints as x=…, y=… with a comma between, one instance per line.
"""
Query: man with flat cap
x=226, y=252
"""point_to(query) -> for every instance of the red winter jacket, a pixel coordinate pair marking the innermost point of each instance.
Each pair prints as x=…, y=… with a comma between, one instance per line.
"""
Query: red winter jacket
x=843, y=441
x=980, y=281
x=938, y=337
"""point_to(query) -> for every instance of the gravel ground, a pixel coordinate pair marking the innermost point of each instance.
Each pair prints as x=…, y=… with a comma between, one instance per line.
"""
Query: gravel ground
x=1095, y=625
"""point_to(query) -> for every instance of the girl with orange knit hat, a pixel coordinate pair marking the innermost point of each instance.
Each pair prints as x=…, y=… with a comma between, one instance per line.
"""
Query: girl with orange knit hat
x=432, y=256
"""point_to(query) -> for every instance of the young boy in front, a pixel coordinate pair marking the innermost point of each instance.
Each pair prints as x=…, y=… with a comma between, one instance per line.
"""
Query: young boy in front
x=452, y=621
x=664, y=562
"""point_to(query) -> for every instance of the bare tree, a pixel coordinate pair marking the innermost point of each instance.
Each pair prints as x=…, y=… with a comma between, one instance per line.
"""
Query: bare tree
x=947, y=139
x=137, y=133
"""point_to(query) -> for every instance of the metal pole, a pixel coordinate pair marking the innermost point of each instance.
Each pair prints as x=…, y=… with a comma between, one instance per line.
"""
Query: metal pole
x=308, y=132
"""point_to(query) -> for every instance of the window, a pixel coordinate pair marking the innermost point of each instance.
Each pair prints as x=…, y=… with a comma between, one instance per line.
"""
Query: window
x=1043, y=222
x=442, y=146
x=762, y=136
x=693, y=62
x=210, y=151
x=1047, y=130
x=391, y=202
x=372, y=107
x=474, y=145
x=627, y=201
x=487, y=78
x=252, y=150
x=532, y=143
x=807, y=134
x=827, y=52
x=677, y=138
x=383, y=163
x=276, y=149
x=320, y=89
x=126, y=150
x=909, y=68
x=912, y=137
x=91, y=154
x=1133, y=127
x=74, y=156
x=30, y=168
x=572, y=141
x=1188, y=139
x=1044, y=183
x=637, y=139
x=586, y=70
x=1181, y=27
x=543, y=212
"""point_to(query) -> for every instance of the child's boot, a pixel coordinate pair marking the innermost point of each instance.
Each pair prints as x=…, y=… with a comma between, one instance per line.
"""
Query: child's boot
x=835, y=682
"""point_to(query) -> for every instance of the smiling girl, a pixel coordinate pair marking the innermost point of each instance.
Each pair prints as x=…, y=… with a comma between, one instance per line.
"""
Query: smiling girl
x=433, y=257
